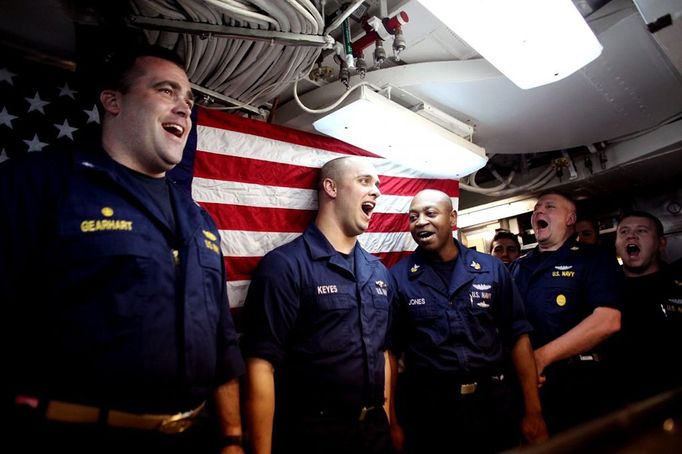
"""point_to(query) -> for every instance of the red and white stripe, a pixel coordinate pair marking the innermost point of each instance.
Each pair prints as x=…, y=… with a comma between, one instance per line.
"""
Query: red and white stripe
x=259, y=180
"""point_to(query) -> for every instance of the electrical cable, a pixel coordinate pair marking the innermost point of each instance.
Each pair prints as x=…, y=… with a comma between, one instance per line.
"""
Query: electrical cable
x=542, y=179
x=316, y=14
x=309, y=19
x=250, y=71
x=333, y=105
x=504, y=183
x=246, y=15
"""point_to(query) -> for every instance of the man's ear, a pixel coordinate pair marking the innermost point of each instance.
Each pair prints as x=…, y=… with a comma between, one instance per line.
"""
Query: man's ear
x=571, y=219
x=453, y=219
x=662, y=243
x=329, y=187
x=110, y=101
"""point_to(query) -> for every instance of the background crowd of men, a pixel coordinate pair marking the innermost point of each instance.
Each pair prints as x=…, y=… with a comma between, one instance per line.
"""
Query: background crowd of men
x=128, y=344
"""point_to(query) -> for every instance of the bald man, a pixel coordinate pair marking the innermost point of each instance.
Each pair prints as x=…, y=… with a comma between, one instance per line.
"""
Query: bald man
x=572, y=293
x=459, y=323
x=316, y=325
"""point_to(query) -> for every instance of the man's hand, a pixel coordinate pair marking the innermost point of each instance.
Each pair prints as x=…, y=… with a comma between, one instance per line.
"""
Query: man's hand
x=533, y=428
x=540, y=364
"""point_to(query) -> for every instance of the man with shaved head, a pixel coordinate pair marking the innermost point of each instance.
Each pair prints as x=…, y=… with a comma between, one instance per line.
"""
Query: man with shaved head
x=572, y=293
x=316, y=329
x=460, y=323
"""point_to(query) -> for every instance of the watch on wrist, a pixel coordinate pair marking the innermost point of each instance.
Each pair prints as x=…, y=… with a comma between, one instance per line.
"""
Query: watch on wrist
x=231, y=440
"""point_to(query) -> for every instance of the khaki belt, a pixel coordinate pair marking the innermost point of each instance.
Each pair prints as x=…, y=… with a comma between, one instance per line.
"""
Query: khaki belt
x=76, y=413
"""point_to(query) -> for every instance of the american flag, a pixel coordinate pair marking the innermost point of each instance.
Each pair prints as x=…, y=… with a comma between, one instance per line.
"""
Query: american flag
x=257, y=180
x=42, y=108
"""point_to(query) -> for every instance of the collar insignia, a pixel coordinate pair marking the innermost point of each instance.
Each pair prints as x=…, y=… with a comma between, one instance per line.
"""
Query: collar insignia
x=414, y=268
x=475, y=265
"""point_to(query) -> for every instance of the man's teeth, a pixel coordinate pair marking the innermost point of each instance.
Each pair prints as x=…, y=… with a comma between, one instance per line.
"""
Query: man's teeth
x=367, y=207
x=174, y=129
x=425, y=234
x=632, y=248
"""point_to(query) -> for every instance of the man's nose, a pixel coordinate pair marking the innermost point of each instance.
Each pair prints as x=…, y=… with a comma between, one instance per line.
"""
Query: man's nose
x=182, y=109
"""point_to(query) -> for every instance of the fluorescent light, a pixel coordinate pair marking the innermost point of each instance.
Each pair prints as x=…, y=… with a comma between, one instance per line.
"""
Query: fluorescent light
x=494, y=211
x=444, y=120
x=372, y=122
x=533, y=42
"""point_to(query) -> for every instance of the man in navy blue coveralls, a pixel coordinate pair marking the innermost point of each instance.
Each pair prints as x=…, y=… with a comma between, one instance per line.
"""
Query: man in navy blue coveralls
x=116, y=322
x=572, y=293
x=315, y=329
x=460, y=323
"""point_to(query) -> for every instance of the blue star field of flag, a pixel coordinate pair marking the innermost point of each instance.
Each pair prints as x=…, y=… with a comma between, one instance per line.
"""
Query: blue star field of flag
x=43, y=108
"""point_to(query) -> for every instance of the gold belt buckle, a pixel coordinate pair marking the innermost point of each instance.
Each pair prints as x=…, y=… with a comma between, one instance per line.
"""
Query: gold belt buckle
x=468, y=388
x=363, y=412
x=175, y=424
x=180, y=422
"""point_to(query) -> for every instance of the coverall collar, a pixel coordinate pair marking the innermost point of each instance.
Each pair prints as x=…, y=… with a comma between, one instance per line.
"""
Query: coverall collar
x=467, y=267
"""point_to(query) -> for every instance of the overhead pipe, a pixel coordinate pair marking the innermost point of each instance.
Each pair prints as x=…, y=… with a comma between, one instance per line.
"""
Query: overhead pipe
x=378, y=30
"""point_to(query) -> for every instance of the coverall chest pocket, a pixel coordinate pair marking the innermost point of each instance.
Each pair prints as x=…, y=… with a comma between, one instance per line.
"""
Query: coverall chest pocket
x=429, y=323
x=105, y=273
x=210, y=261
x=479, y=307
x=380, y=308
x=331, y=319
x=420, y=311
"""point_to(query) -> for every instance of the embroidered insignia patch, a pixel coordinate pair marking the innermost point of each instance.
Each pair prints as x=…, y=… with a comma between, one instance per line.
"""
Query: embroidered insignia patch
x=209, y=235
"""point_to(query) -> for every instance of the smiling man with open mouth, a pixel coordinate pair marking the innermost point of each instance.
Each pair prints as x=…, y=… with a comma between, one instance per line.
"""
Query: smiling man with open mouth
x=316, y=322
x=652, y=311
x=459, y=323
x=119, y=346
x=572, y=297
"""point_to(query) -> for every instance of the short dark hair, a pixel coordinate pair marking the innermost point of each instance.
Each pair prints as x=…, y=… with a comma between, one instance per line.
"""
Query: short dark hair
x=591, y=219
x=560, y=193
x=505, y=235
x=644, y=214
x=116, y=70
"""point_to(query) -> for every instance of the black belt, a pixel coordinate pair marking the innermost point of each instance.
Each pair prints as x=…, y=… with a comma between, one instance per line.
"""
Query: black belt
x=68, y=412
x=463, y=385
x=584, y=358
x=347, y=412
x=472, y=386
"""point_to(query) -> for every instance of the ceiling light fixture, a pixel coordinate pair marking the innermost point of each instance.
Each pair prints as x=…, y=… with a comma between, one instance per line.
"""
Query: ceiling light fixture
x=377, y=124
x=533, y=43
